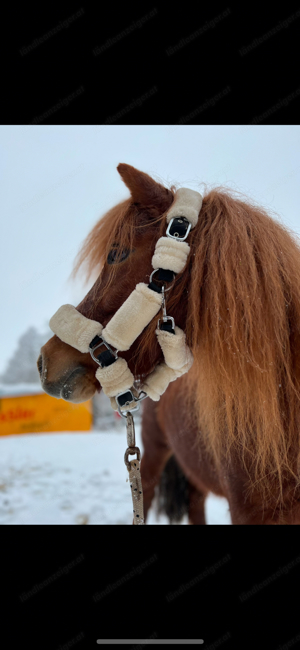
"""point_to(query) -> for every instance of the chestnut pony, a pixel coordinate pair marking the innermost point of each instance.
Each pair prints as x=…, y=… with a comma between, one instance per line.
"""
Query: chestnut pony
x=231, y=424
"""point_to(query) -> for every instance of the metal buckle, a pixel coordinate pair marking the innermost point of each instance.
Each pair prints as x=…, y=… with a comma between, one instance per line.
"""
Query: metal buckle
x=155, y=271
x=144, y=395
x=134, y=400
x=164, y=319
x=127, y=405
x=103, y=342
x=174, y=236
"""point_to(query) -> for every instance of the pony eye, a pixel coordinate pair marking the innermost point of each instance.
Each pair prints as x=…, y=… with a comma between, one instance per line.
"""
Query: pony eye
x=116, y=256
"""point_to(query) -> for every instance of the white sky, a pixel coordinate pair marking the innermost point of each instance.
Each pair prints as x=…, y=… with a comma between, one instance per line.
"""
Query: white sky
x=56, y=182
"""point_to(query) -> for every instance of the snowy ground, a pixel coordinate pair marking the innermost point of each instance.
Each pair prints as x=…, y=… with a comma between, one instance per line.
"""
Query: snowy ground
x=73, y=478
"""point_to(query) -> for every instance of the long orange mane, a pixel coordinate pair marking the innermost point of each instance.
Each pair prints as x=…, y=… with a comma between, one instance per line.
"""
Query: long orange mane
x=243, y=326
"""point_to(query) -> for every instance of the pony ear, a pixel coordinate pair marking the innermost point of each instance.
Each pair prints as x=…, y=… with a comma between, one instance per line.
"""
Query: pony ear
x=144, y=189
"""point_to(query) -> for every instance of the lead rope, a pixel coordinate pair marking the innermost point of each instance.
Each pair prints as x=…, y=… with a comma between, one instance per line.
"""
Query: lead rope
x=134, y=471
x=133, y=466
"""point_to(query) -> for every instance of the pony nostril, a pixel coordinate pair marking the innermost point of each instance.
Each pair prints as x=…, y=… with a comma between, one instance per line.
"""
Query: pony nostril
x=39, y=364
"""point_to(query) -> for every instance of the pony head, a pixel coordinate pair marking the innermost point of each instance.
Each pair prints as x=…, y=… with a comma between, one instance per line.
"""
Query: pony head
x=120, y=247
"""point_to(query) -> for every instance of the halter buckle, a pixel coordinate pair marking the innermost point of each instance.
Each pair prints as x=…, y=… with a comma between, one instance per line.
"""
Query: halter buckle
x=164, y=320
x=102, y=342
x=182, y=223
x=129, y=401
x=163, y=288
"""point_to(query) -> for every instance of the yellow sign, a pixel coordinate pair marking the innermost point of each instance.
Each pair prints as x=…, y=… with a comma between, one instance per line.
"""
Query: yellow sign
x=38, y=413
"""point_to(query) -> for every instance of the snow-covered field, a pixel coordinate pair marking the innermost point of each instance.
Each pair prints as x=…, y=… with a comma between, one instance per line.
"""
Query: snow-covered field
x=74, y=478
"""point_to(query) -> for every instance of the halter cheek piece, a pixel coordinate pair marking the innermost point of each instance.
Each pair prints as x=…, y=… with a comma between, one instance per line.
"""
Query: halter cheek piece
x=143, y=304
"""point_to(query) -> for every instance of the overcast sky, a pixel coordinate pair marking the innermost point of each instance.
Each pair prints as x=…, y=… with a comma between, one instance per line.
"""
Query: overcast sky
x=57, y=181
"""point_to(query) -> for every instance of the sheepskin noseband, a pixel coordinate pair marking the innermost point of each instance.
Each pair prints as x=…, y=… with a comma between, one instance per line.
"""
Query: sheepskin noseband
x=143, y=304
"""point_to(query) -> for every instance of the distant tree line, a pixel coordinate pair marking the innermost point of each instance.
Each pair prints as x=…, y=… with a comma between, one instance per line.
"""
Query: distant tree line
x=21, y=367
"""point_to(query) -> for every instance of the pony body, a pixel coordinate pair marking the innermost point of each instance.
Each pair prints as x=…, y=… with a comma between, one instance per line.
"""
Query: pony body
x=233, y=421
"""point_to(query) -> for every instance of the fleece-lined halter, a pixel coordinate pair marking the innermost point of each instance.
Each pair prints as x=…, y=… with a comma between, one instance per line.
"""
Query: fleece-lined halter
x=143, y=304
x=135, y=314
